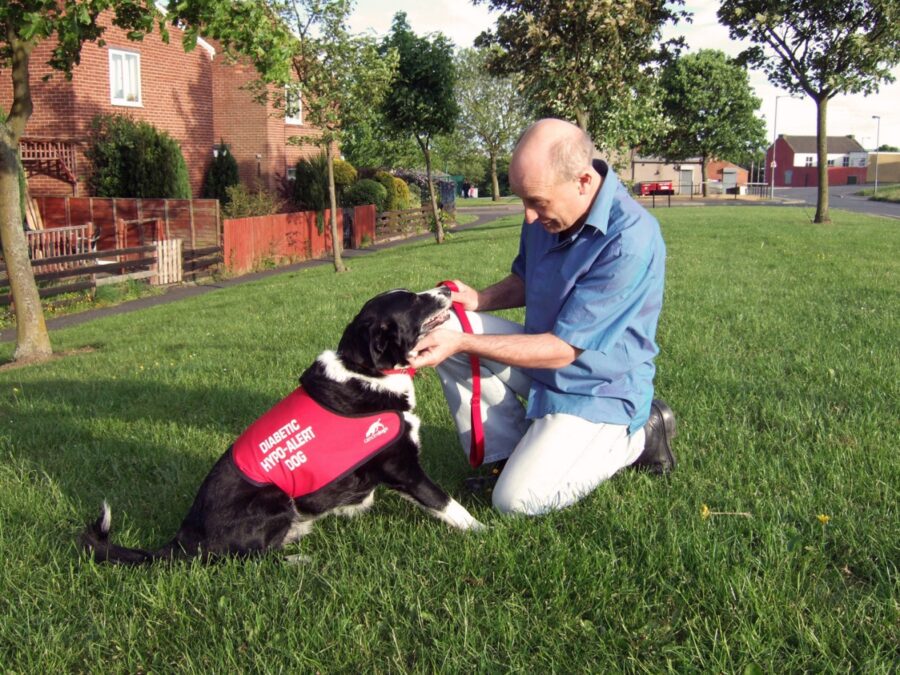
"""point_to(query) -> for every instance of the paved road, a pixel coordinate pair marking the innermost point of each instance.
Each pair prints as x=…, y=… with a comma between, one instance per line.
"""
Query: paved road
x=841, y=197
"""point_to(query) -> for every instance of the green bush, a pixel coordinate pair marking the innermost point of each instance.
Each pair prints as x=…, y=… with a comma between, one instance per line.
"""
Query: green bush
x=221, y=175
x=344, y=174
x=244, y=203
x=401, y=190
x=366, y=191
x=387, y=180
x=135, y=159
x=311, y=184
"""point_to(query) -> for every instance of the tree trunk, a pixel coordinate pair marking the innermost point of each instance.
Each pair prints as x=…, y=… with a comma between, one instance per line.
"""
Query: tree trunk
x=495, y=184
x=32, y=339
x=582, y=118
x=337, y=239
x=438, y=227
x=822, y=152
x=703, y=174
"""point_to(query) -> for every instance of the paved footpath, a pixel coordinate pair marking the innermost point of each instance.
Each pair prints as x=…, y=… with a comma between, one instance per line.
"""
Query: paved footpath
x=483, y=215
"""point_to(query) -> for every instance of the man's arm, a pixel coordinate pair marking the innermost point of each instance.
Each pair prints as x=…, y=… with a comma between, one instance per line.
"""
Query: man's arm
x=522, y=351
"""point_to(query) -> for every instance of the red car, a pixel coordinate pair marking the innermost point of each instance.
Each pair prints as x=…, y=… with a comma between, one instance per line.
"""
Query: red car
x=663, y=187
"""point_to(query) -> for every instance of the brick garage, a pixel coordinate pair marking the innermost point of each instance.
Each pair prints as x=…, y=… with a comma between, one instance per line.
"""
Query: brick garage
x=195, y=96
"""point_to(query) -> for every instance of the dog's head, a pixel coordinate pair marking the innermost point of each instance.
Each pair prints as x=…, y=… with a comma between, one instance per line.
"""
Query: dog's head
x=389, y=326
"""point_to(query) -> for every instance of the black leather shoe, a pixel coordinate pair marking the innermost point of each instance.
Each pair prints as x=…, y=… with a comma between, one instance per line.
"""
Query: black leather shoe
x=478, y=484
x=659, y=431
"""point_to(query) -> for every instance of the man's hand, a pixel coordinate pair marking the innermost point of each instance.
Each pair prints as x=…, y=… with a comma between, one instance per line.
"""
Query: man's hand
x=435, y=347
x=466, y=296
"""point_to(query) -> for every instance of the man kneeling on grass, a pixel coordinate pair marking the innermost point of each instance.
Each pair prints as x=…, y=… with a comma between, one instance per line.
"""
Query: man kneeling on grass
x=590, y=274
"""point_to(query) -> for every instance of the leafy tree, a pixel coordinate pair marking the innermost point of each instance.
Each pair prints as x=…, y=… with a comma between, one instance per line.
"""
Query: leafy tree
x=420, y=101
x=368, y=142
x=492, y=112
x=586, y=60
x=67, y=24
x=711, y=110
x=302, y=48
x=821, y=48
x=884, y=147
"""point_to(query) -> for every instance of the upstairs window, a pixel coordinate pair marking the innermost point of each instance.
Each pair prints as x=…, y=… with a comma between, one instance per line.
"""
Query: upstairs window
x=846, y=160
x=293, y=107
x=124, y=78
x=830, y=162
x=809, y=160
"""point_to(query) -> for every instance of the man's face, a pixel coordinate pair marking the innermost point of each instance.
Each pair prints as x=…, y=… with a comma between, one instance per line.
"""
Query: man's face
x=559, y=204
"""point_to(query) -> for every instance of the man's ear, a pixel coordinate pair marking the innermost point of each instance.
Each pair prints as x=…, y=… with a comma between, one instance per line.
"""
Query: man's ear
x=585, y=180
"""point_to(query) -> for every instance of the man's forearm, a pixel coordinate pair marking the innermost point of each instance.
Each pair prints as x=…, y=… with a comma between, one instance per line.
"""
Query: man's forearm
x=521, y=351
x=505, y=294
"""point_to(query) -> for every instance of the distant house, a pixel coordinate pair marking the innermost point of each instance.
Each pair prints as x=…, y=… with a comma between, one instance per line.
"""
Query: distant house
x=686, y=175
x=197, y=97
x=796, y=162
x=888, y=165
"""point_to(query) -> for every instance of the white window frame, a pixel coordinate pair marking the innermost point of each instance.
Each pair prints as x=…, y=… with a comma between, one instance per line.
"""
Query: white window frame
x=845, y=160
x=292, y=173
x=809, y=160
x=127, y=74
x=290, y=95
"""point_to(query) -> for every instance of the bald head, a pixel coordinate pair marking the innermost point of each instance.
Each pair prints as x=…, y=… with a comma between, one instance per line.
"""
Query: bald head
x=551, y=171
x=554, y=149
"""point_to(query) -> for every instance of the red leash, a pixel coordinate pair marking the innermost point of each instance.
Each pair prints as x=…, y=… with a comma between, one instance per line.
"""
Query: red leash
x=476, y=451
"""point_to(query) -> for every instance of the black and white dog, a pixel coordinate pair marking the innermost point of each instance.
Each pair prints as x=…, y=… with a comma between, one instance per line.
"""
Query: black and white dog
x=236, y=515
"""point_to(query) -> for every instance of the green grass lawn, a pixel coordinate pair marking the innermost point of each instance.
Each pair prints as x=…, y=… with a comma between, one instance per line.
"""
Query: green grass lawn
x=779, y=356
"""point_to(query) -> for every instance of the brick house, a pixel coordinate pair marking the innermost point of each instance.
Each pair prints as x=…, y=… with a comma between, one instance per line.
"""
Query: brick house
x=797, y=162
x=194, y=96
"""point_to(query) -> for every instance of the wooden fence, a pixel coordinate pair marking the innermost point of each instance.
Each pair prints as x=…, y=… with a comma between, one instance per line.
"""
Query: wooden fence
x=195, y=221
x=399, y=224
x=162, y=262
x=60, y=242
x=251, y=243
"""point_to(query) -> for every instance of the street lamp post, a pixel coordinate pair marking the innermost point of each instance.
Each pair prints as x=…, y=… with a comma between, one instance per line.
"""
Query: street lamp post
x=877, y=145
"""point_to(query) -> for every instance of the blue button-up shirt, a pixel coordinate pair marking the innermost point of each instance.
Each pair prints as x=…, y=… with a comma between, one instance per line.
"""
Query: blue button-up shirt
x=600, y=290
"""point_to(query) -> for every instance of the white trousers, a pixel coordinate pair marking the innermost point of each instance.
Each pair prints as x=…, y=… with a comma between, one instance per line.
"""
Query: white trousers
x=553, y=461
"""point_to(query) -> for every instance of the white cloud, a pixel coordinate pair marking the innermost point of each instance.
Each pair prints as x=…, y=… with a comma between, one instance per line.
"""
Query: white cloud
x=460, y=21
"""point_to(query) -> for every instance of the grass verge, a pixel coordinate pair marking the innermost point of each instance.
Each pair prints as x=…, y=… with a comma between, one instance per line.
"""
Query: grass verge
x=778, y=342
x=886, y=193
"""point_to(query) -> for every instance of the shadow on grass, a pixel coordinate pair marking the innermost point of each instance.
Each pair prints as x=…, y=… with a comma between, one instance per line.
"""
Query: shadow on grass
x=146, y=447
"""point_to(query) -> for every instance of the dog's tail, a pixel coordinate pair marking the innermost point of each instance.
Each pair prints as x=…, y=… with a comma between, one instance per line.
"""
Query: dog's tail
x=95, y=540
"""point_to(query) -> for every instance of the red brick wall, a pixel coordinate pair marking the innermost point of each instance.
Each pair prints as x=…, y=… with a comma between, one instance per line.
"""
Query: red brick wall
x=256, y=133
x=715, y=171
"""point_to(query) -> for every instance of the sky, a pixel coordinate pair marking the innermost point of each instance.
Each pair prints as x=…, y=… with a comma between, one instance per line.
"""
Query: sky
x=460, y=21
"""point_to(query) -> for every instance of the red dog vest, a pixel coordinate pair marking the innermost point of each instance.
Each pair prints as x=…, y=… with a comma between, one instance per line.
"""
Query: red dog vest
x=301, y=446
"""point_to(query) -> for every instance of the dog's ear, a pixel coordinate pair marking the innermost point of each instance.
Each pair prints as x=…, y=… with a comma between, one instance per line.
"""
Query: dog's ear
x=383, y=347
